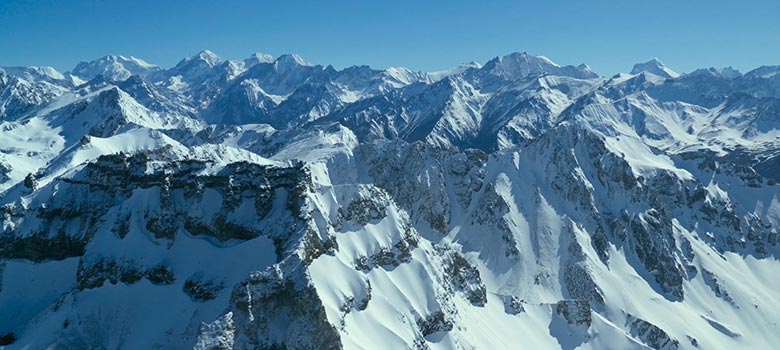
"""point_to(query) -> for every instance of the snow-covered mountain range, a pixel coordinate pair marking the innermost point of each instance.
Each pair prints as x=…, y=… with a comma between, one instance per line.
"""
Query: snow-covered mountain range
x=272, y=203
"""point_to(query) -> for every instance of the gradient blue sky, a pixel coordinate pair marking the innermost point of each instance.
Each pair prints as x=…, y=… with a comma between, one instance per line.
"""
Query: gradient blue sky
x=608, y=35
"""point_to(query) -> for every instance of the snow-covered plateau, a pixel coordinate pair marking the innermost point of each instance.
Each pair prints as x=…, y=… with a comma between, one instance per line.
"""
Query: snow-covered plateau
x=272, y=203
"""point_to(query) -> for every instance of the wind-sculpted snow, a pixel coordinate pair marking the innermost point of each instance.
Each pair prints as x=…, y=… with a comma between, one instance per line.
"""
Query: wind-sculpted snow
x=272, y=203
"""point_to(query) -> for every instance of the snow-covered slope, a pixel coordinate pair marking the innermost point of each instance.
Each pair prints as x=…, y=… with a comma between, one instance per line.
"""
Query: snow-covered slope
x=520, y=65
x=114, y=68
x=654, y=66
x=269, y=203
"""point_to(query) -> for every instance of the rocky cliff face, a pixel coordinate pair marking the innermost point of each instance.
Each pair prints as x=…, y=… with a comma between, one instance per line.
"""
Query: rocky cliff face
x=274, y=204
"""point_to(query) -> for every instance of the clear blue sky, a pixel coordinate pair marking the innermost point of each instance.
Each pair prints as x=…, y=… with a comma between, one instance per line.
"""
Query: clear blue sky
x=608, y=35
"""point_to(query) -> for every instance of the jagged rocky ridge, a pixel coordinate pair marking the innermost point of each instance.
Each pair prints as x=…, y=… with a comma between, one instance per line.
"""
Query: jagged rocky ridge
x=273, y=203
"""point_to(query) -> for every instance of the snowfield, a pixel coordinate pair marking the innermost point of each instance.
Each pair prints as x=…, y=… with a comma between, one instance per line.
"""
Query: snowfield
x=272, y=203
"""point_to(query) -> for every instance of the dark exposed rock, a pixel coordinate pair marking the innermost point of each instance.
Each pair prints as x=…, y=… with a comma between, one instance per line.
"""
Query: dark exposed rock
x=396, y=170
x=39, y=248
x=600, y=243
x=400, y=253
x=162, y=227
x=122, y=226
x=463, y=277
x=7, y=338
x=420, y=344
x=160, y=274
x=580, y=284
x=218, y=335
x=576, y=275
x=30, y=182
x=650, y=334
x=574, y=311
x=201, y=290
x=652, y=239
x=261, y=300
x=363, y=303
x=222, y=229
x=693, y=341
x=363, y=210
x=712, y=281
x=345, y=308
x=513, y=305
x=314, y=246
x=5, y=169
x=93, y=273
x=90, y=194
x=433, y=323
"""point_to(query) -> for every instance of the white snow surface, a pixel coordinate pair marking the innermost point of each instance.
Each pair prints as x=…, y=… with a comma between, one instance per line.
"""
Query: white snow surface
x=656, y=67
x=271, y=202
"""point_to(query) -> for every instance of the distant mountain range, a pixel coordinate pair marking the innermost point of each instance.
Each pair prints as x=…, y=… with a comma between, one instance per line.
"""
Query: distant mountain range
x=273, y=203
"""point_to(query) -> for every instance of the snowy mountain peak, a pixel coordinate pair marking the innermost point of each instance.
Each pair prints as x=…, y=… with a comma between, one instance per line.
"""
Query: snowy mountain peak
x=654, y=66
x=34, y=73
x=522, y=65
x=258, y=57
x=114, y=68
x=119, y=59
x=439, y=75
x=584, y=67
x=726, y=73
x=282, y=206
x=139, y=62
x=291, y=59
x=194, y=69
x=403, y=76
x=517, y=65
x=524, y=59
x=764, y=72
x=209, y=57
x=472, y=64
